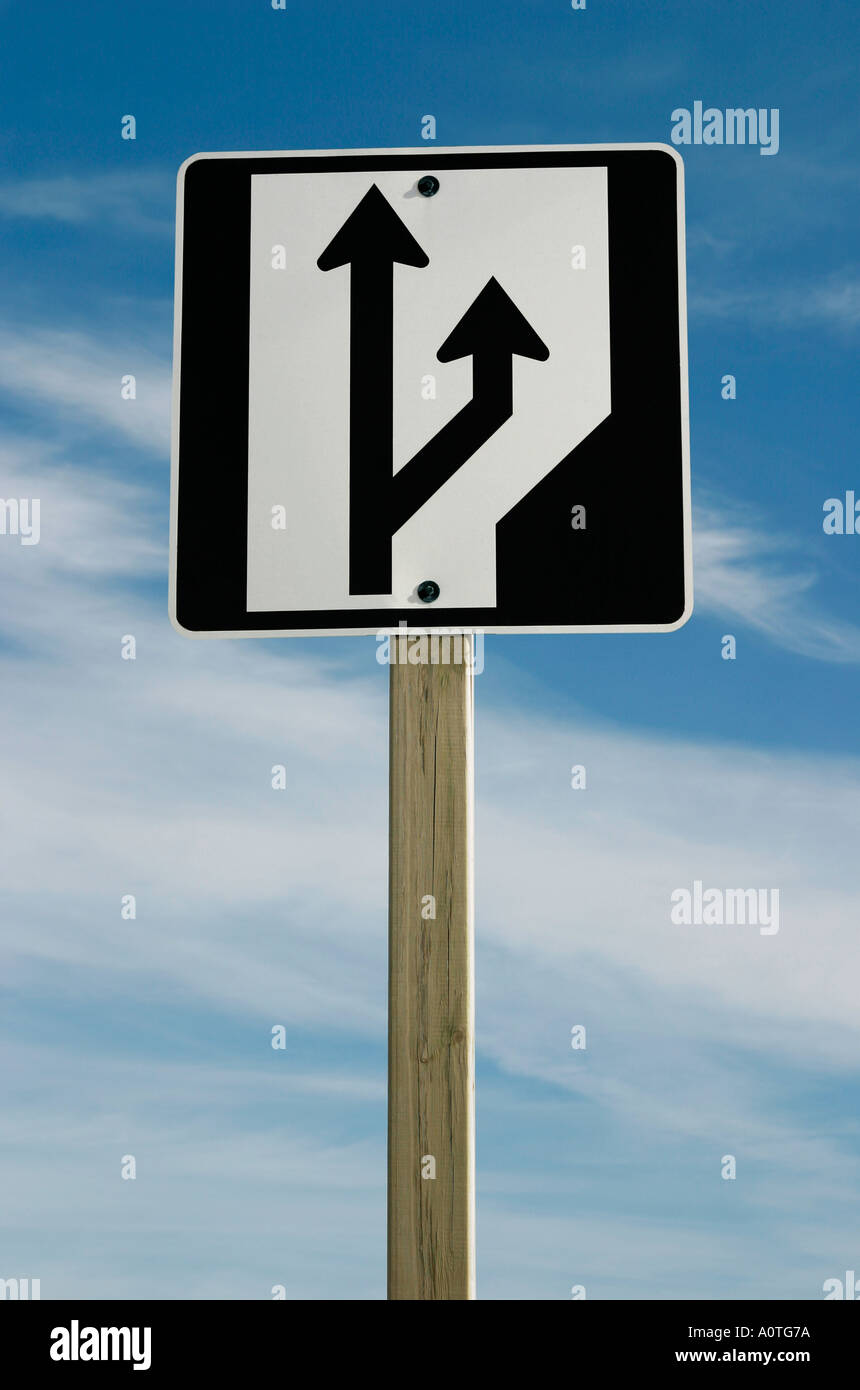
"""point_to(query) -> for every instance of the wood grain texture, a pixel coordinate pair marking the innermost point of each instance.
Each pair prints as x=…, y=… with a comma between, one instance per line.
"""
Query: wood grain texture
x=431, y=1076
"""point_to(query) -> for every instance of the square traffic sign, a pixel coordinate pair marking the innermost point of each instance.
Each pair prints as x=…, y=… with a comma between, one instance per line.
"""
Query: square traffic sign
x=443, y=387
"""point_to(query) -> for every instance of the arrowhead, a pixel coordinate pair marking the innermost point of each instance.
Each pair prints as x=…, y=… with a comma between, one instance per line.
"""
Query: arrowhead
x=373, y=232
x=492, y=322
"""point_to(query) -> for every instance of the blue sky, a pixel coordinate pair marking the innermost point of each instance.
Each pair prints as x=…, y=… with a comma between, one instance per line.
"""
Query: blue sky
x=151, y=1037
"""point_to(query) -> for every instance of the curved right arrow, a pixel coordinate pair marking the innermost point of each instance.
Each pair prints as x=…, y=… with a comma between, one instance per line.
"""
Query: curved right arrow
x=492, y=332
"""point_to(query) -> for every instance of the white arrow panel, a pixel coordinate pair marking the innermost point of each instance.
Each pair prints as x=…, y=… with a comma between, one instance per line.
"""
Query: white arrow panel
x=517, y=224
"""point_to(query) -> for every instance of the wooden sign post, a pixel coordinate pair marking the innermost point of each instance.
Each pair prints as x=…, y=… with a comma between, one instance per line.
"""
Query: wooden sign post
x=431, y=1045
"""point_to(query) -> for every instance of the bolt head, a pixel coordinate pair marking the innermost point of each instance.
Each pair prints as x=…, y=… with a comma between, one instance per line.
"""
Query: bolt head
x=428, y=186
x=428, y=591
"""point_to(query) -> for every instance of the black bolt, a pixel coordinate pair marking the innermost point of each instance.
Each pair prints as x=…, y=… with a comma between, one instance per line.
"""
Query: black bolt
x=428, y=591
x=428, y=186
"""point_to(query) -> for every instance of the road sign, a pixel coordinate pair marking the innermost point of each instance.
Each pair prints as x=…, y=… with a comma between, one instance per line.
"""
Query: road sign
x=439, y=387
x=444, y=389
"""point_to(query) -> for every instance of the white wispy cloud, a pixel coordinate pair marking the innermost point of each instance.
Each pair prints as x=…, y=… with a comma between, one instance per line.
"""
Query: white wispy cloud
x=93, y=524
x=745, y=573
x=834, y=302
x=79, y=378
x=307, y=1208
x=139, y=200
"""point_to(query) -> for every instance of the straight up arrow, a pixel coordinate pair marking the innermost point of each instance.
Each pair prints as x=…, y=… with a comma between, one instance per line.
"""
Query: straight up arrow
x=372, y=240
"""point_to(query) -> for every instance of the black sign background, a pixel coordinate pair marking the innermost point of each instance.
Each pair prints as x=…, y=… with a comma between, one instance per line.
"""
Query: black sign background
x=626, y=569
